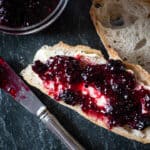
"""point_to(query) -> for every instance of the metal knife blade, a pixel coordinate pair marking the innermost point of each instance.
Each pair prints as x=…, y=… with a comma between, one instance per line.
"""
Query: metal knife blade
x=11, y=83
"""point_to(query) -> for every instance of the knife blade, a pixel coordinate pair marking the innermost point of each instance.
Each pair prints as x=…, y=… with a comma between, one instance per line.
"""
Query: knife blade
x=11, y=83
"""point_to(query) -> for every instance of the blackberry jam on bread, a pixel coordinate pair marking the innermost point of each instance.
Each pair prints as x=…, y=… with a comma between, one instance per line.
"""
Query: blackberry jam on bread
x=111, y=93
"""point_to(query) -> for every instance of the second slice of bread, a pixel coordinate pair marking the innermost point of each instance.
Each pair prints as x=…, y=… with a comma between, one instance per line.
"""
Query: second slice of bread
x=124, y=25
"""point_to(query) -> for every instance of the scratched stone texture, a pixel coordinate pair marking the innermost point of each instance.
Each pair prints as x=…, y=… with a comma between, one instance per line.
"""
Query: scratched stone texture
x=19, y=130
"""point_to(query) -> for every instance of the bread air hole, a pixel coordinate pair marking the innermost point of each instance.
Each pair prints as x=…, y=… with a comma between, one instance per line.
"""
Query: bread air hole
x=140, y=44
x=117, y=21
x=125, y=59
x=98, y=5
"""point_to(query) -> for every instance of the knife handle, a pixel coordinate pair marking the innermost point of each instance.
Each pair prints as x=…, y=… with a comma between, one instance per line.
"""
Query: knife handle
x=56, y=128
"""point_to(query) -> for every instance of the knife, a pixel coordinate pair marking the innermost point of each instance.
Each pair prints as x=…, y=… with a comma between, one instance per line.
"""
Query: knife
x=11, y=83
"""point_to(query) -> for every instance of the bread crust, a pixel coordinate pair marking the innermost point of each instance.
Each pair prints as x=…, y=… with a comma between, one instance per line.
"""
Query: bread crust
x=64, y=49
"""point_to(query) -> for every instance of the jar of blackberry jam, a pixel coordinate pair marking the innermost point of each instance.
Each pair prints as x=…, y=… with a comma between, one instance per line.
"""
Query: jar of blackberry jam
x=21, y=17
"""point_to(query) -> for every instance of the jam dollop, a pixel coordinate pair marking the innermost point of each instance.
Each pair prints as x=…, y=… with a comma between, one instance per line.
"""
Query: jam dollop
x=108, y=91
x=23, y=13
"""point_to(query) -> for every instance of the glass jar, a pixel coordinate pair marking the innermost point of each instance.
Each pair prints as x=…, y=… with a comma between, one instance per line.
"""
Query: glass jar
x=27, y=25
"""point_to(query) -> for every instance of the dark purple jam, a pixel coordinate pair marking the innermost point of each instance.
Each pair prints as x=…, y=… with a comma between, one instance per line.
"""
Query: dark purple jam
x=69, y=69
x=127, y=102
x=23, y=13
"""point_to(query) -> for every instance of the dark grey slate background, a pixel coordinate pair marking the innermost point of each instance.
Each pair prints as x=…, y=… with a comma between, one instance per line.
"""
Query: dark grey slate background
x=19, y=130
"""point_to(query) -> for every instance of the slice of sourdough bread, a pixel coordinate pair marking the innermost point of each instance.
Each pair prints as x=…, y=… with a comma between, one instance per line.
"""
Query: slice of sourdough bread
x=95, y=57
x=124, y=25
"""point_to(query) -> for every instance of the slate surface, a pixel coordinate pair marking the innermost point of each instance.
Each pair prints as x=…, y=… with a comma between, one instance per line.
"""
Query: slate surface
x=19, y=130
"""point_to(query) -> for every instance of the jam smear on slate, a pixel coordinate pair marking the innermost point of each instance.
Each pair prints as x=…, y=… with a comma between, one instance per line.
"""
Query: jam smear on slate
x=23, y=13
x=9, y=82
x=105, y=91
